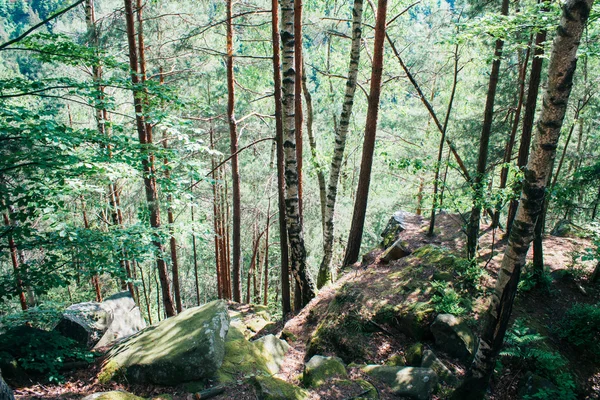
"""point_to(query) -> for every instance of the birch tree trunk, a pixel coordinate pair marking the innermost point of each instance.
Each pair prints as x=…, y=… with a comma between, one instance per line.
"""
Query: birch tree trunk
x=562, y=67
x=292, y=201
x=484, y=142
x=364, y=180
x=325, y=273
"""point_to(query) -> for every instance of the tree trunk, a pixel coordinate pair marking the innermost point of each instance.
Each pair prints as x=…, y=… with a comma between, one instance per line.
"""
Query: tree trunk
x=283, y=242
x=513, y=133
x=146, y=294
x=441, y=146
x=325, y=273
x=15, y=262
x=562, y=66
x=294, y=220
x=362, y=192
x=195, y=259
x=235, y=169
x=266, y=272
x=535, y=77
x=484, y=142
x=145, y=138
x=298, y=112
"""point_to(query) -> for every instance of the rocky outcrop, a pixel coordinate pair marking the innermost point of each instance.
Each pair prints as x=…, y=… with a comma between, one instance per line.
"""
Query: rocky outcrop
x=396, y=251
x=454, y=337
x=319, y=369
x=113, y=395
x=394, y=227
x=5, y=392
x=187, y=347
x=430, y=360
x=411, y=382
x=101, y=324
x=271, y=388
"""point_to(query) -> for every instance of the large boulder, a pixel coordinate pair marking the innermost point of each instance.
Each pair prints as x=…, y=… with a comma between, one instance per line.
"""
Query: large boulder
x=411, y=382
x=125, y=318
x=319, y=369
x=454, y=337
x=5, y=392
x=394, y=227
x=244, y=358
x=84, y=323
x=101, y=324
x=397, y=250
x=187, y=347
x=430, y=360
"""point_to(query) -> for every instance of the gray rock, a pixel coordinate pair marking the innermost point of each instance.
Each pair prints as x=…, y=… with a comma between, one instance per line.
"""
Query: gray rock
x=187, y=347
x=271, y=388
x=319, y=369
x=101, y=324
x=274, y=350
x=396, y=251
x=84, y=323
x=125, y=318
x=430, y=360
x=393, y=228
x=415, y=383
x=113, y=395
x=566, y=228
x=5, y=392
x=532, y=384
x=454, y=337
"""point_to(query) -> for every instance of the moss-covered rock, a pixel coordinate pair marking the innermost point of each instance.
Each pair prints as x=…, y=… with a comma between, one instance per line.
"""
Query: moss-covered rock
x=114, y=395
x=396, y=360
x=454, y=337
x=5, y=391
x=430, y=360
x=367, y=390
x=319, y=369
x=271, y=388
x=415, y=383
x=397, y=250
x=187, y=347
x=413, y=319
x=244, y=358
x=566, y=228
x=414, y=355
x=394, y=227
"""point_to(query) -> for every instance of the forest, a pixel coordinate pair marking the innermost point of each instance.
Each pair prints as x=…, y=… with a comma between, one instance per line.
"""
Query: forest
x=299, y=199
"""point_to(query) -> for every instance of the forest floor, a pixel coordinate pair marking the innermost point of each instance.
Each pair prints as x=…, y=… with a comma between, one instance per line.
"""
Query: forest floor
x=541, y=307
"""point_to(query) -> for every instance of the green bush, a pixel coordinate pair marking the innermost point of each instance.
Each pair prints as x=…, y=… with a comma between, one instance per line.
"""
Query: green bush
x=581, y=327
x=447, y=300
x=526, y=347
x=42, y=352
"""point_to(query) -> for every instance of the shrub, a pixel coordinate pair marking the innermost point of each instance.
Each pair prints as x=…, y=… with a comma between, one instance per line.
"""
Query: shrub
x=447, y=300
x=581, y=327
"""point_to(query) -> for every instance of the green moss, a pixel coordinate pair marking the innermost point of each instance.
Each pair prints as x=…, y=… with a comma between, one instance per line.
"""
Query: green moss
x=242, y=358
x=288, y=336
x=320, y=369
x=396, y=360
x=118, y=395
x=270, y=388
x=109, y=370
x=436, y=256
x=414, y=355
x=163, y=397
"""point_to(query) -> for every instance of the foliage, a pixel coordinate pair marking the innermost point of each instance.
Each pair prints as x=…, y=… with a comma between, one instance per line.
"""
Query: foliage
x=42, y=352
x=447, y=300
x=581, y=327
x=530, y=279
x=526, y=347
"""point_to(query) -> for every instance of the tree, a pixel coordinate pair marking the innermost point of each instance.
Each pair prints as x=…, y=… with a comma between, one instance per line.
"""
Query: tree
x=364, y=180
x=479, y=183
x=294, y=220
x=325, y=273
x=145, y=139
x=561, y=69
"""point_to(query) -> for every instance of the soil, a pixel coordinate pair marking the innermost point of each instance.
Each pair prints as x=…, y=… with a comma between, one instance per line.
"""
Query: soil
x=544, y=306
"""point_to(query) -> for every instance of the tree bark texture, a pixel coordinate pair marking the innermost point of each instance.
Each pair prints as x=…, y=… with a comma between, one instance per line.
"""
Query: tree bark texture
x=294, y=221
x=281, y=196
x=364, y=180
x=341, y=132
x=563, y=61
